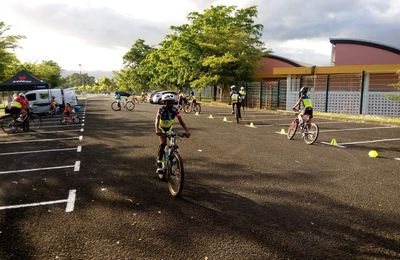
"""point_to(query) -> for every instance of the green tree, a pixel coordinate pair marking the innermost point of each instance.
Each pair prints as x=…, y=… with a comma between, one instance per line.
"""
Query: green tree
x=78, y=79
x=218, y=47
x=8, y=61
x=48, y=71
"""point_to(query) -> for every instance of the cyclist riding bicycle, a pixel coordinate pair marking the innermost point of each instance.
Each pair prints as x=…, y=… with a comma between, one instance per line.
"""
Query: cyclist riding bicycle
x=118, y=99
x=235, y=99
x=20, y=107
x=164, y=124
x=305, y=101
x=242, y=92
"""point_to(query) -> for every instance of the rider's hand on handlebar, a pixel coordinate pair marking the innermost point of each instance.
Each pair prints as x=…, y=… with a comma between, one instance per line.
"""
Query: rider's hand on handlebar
x=187, y=134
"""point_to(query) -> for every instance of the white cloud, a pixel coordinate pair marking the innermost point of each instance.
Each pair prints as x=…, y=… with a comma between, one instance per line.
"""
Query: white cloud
x=97, y=33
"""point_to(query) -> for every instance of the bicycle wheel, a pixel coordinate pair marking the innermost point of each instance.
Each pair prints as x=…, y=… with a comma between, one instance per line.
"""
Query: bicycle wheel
x=175, y=176
x=7, y=124
x=76, y=120
x=130, y=105
x=311, y=134
x=114, y=106
x=197, y=108
x=237, y=115
x=187, y=108
x=292, y=129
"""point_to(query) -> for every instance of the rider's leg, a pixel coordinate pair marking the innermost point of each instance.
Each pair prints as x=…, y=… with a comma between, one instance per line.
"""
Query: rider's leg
x=161, y=147
x=238, y=110
x=300, y=117
x=119, y=104
x=233, y=108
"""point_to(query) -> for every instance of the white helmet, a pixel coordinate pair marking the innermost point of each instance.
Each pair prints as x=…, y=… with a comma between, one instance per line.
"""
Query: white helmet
x=233, y=87
x=168, y=97
x=241, y=88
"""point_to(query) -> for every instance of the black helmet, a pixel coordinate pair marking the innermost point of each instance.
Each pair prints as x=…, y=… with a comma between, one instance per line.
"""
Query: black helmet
x=303, y=90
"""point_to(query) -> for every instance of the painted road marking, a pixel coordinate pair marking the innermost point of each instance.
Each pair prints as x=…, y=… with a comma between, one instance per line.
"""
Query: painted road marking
x=398, y=159
x=337, y=145
x=69, y=208
x=78, y=149
x=77, y=166
x=49, y=132
x=42, y=169
x=351, y=129
x=43, y=140
x=362, y=142
x=53, y=126
x=82, y=130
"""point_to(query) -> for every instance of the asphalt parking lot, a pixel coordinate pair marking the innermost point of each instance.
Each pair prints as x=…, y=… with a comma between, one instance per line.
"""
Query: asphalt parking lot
x=90, y=191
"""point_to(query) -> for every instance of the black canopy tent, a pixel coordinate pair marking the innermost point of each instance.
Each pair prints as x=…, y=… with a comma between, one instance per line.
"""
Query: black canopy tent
x=23, y=80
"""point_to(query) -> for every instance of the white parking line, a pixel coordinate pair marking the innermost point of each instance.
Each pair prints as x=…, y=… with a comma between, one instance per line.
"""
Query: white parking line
x=357, y=129
x=41, y=169
x=398, y=159
x=54, y=126
x=43, y=140
x=77, y=166
x=69, y=208
x=342, y=145
x=78, y=149
x=351, y=129
x=49, y=132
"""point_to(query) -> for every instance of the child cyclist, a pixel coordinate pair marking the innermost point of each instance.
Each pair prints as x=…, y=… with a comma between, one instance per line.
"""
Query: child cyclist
x=68, y=112
x=307, y=106
x=164, y=124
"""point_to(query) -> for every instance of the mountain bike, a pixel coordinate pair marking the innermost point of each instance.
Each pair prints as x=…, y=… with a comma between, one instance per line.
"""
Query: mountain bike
x=9, y=123
x=173, y=165
x=192, y=106
x=124, y=104
x=309, y=131
x=236, y=112
x=74, y=119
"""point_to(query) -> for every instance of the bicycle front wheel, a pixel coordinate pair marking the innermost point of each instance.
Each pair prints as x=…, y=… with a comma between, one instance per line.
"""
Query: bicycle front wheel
x=292, y=129
x=114, y=106
x=312, y=133
x=187, y=108
x=176, y=175
x=237, y=114
x=7, y=124
x=130, y=105
x=197, y=108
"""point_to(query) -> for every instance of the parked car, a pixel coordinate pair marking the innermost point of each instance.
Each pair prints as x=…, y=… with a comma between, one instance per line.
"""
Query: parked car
x=155, y=97
x=40, y=99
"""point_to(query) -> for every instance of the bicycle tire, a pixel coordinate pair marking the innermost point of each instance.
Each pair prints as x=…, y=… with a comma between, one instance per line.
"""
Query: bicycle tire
x=76, y=120
x=312, y=133
x=175, y=179
x=292, y=129
x=187, y=108
x=237, y=114
x=6, y=124
x=114, y=106
x=197, y=108
x=130, y=105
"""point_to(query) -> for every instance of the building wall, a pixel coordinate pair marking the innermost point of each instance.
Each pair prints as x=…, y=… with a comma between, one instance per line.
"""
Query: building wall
x=353, y=54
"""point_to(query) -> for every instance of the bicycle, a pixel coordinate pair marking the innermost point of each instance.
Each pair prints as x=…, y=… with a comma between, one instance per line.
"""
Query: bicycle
x=9, y=123
x=308, y=130
x=69, y=120
x=236, y=112
x=173, y=165
x=192, y=106
x=143, y=99
x=124, y=104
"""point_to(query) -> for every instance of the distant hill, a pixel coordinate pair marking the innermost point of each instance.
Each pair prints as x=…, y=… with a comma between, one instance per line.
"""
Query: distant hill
x=95, y=73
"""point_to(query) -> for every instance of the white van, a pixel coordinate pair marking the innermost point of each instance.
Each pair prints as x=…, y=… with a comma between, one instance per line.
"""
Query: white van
x=40, y=99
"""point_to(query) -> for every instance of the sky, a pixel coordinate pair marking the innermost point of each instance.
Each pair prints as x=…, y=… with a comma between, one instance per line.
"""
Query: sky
x=97, y=33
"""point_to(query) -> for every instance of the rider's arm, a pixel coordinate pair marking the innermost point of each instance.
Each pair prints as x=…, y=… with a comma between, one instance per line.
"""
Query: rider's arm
x=187, y=133
x=295, y=105
x=157, y=124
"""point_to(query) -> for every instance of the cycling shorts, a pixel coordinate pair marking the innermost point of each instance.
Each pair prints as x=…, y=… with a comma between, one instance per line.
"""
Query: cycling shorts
x=308, y=111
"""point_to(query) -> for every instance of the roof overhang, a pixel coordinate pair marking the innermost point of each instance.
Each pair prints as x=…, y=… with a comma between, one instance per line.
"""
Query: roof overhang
x=347, y=69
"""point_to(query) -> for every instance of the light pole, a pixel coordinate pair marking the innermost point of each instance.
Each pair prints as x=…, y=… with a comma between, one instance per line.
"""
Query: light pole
x=80, y=74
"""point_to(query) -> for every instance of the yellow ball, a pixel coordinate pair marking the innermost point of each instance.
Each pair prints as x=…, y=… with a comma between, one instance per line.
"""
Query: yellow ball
x=373, y=154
